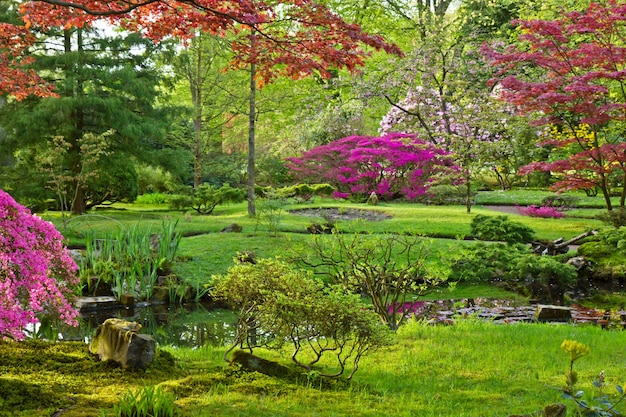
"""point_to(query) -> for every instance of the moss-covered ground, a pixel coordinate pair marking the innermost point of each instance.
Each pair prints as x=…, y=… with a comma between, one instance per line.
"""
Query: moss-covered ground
x=467, y=369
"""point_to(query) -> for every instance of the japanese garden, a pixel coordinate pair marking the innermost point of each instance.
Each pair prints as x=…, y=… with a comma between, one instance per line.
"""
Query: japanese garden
x=312, y=208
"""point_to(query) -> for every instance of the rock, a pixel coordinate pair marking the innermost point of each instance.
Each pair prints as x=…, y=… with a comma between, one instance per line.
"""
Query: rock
x=127, y=299
x=254, y=363
x=246, y=257
x=553, y=313
x=555, y=410
x=233, y=228
x=552, y=410
x=578, y=262
x=84, y=304
x=120, y=341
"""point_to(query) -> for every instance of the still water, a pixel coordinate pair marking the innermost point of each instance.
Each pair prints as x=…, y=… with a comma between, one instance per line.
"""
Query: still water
x=191, y=325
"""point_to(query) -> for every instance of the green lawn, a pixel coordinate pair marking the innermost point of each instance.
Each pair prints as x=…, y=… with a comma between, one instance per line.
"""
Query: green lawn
x=205, y=251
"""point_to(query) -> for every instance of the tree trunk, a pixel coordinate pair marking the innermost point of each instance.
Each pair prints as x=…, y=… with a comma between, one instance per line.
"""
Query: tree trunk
x=468, y=195
x=622, y=199
x=251, y=122
x=196, y=98
x=79, y=205
x=606, y=193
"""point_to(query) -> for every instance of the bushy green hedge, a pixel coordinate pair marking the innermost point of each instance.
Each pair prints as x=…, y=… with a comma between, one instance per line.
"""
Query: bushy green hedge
x=500, y=229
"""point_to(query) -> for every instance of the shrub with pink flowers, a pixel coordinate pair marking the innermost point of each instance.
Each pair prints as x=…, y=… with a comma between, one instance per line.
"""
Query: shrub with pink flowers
x=393, y=165
x=540, y=211
x=37, y=273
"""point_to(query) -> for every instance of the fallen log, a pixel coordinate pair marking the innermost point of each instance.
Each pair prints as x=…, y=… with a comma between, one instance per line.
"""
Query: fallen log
x=559, y=245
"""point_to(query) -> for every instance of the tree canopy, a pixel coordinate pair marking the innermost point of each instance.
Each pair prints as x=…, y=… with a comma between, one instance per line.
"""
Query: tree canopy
x=570, y=73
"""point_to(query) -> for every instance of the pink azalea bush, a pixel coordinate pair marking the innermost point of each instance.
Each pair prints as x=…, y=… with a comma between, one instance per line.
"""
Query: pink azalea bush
x=393, y=165
x=543, y=211
x=37, y=273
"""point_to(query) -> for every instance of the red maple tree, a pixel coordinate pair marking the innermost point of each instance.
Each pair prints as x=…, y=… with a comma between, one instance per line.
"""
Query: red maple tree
x=571, y=73
x=15, y=77
x=291, y=37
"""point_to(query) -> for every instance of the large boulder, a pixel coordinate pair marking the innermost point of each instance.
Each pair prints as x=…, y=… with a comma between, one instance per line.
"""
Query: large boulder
x=119, y=340
x=551, y=313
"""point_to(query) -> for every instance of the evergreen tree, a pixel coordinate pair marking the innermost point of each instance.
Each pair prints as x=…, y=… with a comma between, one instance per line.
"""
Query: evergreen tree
x=107, y=88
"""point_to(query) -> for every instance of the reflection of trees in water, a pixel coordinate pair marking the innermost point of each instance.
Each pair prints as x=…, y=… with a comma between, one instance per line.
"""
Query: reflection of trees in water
x=180, y=326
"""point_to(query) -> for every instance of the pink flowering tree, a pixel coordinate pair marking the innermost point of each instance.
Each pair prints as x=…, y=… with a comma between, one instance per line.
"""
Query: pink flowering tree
x=37, y=274
x=462, y=124
x=394, y=165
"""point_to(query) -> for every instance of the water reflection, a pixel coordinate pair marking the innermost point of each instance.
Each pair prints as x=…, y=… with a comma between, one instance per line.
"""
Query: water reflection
x=182, y=326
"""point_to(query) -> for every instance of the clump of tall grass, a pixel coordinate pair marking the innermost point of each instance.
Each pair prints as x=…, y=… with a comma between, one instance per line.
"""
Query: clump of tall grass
x=146, y=402
x=130, y=259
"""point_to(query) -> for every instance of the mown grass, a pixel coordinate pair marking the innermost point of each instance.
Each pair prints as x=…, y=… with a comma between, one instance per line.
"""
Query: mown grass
x=528, y=196
x=206, y=251
x=470, y=368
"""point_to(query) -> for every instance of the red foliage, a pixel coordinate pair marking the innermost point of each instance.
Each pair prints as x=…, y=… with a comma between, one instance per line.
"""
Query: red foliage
x=577, y=67
x=290, y=37
x=392, y=165
x=15, y=78
x=581, y=63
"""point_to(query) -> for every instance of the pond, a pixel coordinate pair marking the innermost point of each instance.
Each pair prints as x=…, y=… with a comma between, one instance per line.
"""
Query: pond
x=190, y=325
x=196, y=325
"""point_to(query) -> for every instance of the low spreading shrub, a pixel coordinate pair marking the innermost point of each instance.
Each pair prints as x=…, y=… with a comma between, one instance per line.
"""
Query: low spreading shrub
x=543, y=211
x=500, y=229
x=560, y=201
x=277, y=304
x=389, y=269
x=516, y=268
x=444, y=194
x=206, y=197
x=606, y=251
x=153, y=198
x=615, y=217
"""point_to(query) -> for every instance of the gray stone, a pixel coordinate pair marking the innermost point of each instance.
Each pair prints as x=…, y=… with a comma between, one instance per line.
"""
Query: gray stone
x=233, y=228
x=120, y=341
x=552, y=410
x=95, y=303
x=553, y=313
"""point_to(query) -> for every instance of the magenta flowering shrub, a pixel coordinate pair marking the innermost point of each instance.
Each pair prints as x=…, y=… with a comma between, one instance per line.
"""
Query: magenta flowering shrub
x=392, y=165
x=37, y=273
x=540, y=211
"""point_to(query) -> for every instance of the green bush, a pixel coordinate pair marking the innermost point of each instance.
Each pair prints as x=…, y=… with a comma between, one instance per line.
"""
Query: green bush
x=560, y=201
x=538, y=276
x=116, y=180
x=153, y=198
x=277, y=304
x=607, y=252
x=486, y=262
x=305, y=192
x=517, y=268
x=500, y=229
x=206, y=197
x=445, y=194
x=389, y=269
x=154, y=180
x=615, y=218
